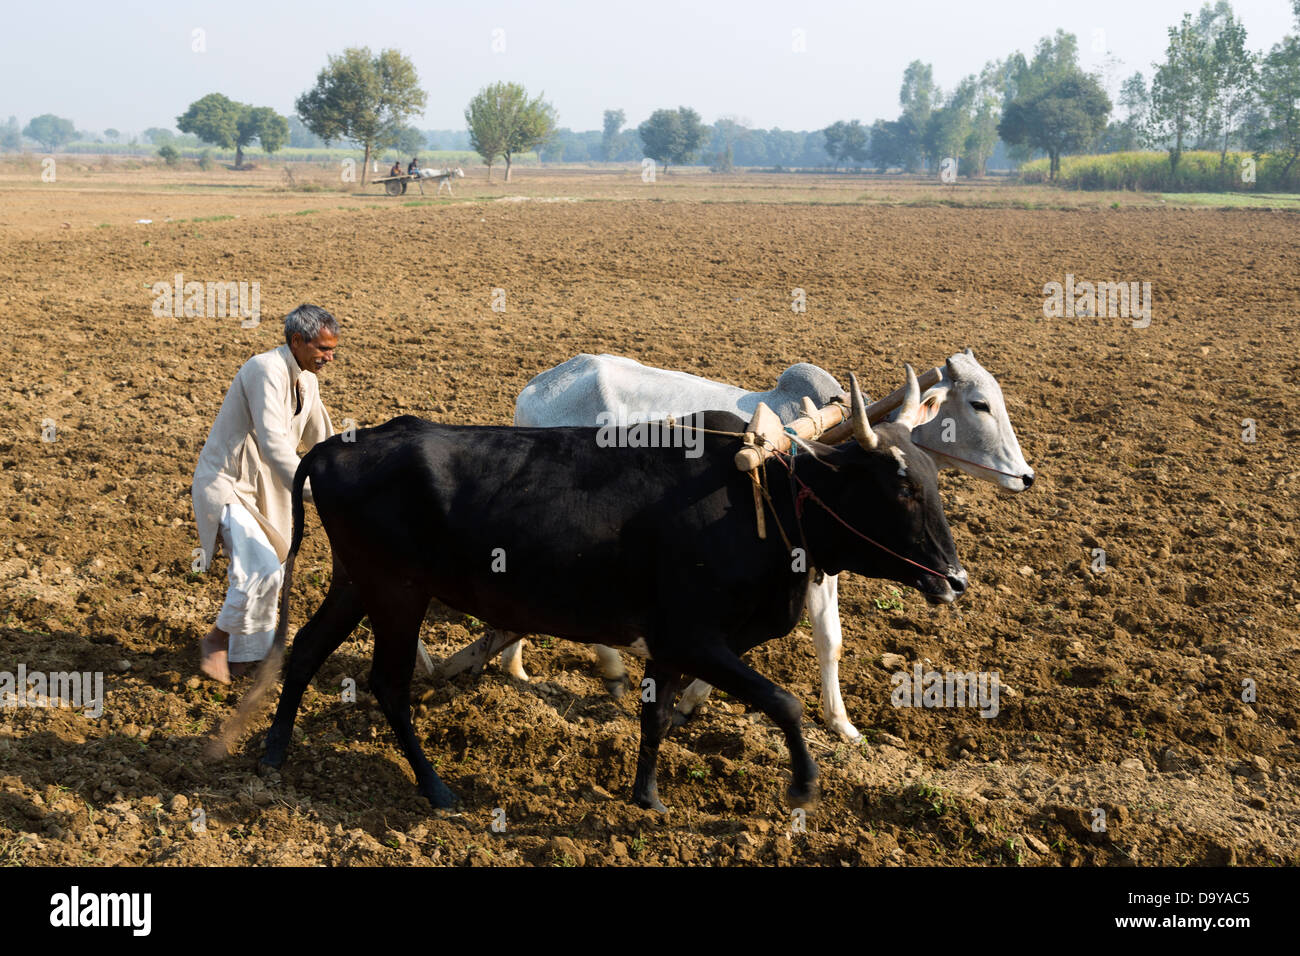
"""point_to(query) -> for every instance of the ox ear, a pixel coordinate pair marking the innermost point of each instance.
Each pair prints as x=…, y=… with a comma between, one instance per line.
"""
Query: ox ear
x=969, y=353
x=928, y=407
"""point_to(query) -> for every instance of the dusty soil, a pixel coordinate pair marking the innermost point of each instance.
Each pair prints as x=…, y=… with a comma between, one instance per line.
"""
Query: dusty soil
x=1127, y=684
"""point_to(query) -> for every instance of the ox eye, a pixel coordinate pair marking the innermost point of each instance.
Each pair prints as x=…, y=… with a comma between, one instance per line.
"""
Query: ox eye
x=980, y=406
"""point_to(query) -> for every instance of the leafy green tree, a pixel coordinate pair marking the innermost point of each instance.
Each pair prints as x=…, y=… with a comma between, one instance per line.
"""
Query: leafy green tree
x=985, y=111
x=50, y=131
x=270, y=128
x=613, y=125
x=918, y=97
x=504, y=122
x=1065, y=116
x=1230, y=79
x=672, y=136
x=1176, y=89
x=223, y=122
x=889, y=144
x=170, y=155
x=1279, y=85
x=947, y=127
x=362, y=98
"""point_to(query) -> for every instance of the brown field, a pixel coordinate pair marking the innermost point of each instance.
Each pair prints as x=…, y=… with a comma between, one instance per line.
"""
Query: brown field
x=1136, y=435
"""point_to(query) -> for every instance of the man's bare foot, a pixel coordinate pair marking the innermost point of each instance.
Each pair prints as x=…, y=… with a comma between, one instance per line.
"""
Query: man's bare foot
x=213, y=650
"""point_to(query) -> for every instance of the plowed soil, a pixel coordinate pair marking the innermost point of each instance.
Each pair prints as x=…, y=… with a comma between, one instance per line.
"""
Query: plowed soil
x=1132, y=686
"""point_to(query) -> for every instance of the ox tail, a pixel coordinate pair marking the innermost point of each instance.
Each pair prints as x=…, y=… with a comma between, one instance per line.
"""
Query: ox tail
x=269, y=672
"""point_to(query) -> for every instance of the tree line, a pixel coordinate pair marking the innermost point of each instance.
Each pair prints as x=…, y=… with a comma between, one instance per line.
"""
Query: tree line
x=1210, y=92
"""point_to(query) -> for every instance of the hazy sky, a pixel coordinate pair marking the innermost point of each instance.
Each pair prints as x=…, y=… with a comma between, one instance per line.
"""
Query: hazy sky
x=129, y=64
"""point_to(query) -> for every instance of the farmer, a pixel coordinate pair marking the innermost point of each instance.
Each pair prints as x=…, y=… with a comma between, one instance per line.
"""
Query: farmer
x=397, y=168
x=413, y=165
x=244, y=479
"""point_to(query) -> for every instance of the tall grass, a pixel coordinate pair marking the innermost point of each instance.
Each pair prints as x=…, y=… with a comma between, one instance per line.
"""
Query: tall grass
x=1198, y=171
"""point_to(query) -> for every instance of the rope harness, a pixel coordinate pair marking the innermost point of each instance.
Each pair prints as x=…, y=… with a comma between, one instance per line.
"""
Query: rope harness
x=966, y=461
x=804, y=493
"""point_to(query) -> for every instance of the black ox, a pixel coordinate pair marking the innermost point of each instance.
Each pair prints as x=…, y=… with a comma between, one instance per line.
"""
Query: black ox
x=540, y=530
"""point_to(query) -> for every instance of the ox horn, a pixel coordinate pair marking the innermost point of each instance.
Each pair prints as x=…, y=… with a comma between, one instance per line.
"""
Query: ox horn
x=911, y=401
x=861, y=427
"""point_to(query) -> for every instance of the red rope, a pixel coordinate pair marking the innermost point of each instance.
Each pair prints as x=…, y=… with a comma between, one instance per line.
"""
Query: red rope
x=967, y=461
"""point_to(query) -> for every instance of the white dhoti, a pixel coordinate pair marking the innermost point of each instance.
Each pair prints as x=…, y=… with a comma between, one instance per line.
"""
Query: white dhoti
x=249, y=612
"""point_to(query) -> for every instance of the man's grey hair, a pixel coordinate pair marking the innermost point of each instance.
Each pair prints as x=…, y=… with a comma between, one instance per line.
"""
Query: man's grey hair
x=307, y=321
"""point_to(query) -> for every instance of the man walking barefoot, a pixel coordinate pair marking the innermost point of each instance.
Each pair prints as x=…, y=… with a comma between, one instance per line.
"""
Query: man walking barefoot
x=244, y=481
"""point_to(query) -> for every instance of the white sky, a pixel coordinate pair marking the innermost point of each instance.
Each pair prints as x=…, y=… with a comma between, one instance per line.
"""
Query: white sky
x=128, y=64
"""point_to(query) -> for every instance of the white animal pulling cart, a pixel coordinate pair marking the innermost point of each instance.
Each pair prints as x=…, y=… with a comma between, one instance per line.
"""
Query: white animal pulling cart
x=396, y=185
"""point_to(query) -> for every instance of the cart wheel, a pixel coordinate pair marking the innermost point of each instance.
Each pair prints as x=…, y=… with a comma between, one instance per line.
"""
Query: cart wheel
x=403, y=188
x=394, y=188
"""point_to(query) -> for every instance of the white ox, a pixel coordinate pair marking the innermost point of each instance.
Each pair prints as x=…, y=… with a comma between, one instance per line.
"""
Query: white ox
x=963, y=424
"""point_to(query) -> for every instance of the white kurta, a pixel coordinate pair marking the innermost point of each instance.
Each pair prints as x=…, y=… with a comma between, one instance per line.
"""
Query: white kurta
x=252, y=451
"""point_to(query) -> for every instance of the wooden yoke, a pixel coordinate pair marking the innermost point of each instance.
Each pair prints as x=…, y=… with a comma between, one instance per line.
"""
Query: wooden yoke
x=766, y=431
x=829, y=425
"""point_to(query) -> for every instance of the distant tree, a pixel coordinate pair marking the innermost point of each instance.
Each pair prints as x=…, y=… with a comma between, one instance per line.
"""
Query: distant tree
x=158, y=136
x=1065, y=116
x=504, y=122
x=300, y=137
x=50, y=131
x=270, y=128
x=672, y=136
x=985, y=111
x=1279, y=83
x=1234, y=72
x=835, y=141
x=889, y=144
x=853, y=148
x=221, y=121
x=487, y=134
x=783, y=147
x=362, y=98
x=170, y=155
x=410, y=141
x=112, y=135
x=918, y=97
x=949, y=125
x=1176, y=88
x=11, y=136
x=609, y=141
x=1055, y=58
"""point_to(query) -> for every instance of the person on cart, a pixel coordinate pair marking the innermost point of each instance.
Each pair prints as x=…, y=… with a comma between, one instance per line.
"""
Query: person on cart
x=397, y=168
x=414, y=166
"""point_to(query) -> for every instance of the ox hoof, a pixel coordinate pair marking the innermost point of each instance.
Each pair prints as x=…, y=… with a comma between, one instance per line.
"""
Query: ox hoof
x=683, y=717
x=805, y=797
x=617, y=686
x=441, y=796
x=845, y=729
x=270, y=764
x=650, y=801
x=656, y=804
